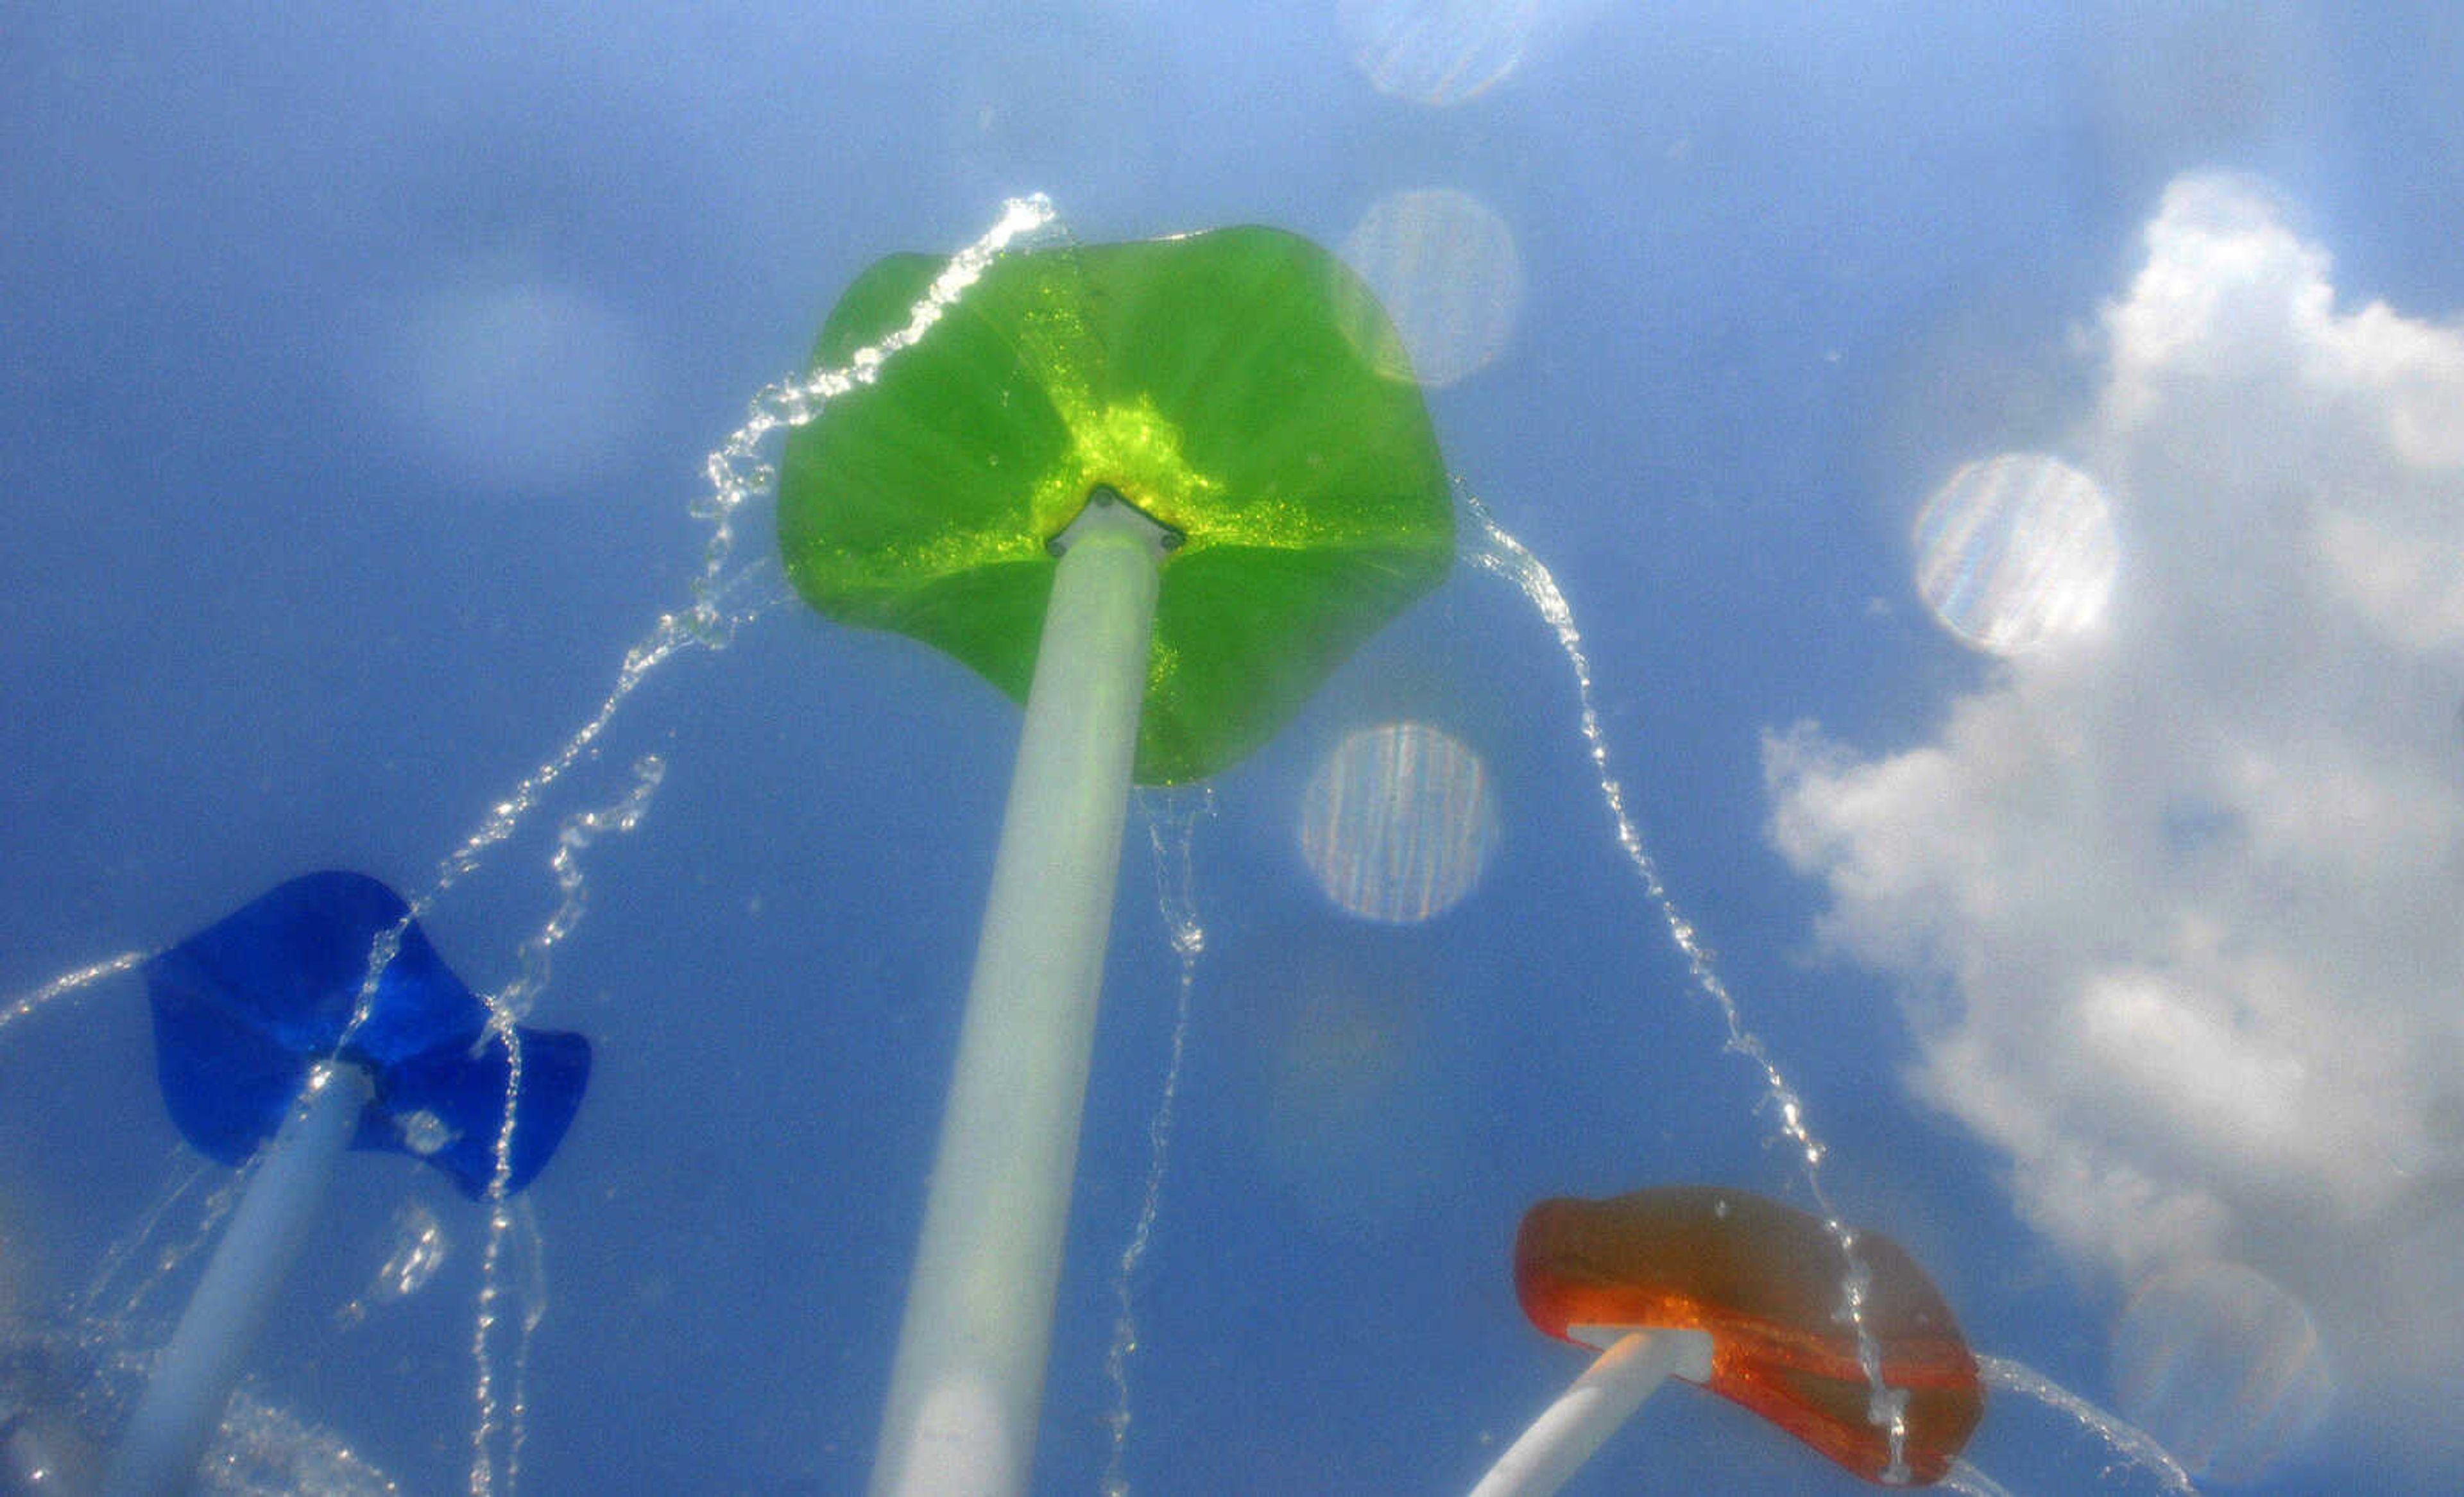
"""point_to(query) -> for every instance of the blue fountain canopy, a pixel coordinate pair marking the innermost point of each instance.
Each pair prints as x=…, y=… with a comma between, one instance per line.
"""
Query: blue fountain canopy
x=246, y=1005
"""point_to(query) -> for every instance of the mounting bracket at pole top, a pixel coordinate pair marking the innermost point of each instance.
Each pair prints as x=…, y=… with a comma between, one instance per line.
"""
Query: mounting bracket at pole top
x=1108, y=508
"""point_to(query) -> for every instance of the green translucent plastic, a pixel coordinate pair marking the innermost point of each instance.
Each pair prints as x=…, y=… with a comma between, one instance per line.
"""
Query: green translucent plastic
x=1228, y=383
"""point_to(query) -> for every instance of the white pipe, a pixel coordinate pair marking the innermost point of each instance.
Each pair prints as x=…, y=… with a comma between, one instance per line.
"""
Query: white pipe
x=1571, y=1429
x=969, y=1377
x=182, y=1405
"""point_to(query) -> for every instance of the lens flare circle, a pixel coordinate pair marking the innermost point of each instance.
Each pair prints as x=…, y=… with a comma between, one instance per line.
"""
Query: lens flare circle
x=1436, y=52
x=2017, y=553
x=2222, y=1366
x=1445, y=269
x=1398, y=823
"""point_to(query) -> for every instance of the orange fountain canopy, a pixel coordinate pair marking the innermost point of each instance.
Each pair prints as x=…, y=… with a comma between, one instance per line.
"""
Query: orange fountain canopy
x=1766, y=1281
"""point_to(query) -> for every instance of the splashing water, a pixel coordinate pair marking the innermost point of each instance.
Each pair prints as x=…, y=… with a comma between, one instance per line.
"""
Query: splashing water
x=738, y=475
x=723, y=602
x=67, y=984
x=420, y=1249
x=504, y=1008
x=1499, y=554
x=2134, y=1445
x=1970, y=1482
x=514, y=1000
x=1172, y=819
x=128, y=1277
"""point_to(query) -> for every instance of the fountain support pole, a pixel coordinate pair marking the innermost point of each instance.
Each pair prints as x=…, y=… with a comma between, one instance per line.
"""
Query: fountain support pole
x=184, y=1399
x=1630, y=1367
x=968, y=1382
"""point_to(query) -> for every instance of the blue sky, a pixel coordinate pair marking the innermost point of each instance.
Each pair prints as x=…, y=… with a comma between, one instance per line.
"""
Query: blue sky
x=359, y=379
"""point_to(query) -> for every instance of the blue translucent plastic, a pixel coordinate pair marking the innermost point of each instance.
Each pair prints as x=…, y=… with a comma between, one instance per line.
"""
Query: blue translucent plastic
x=244, y=1006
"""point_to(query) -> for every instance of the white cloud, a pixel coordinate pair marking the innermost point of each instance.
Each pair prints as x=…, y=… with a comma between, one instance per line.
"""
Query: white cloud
x=2181, y=913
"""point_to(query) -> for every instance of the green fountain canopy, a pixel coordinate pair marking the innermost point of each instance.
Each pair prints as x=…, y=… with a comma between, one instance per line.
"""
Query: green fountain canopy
x=1226, y=384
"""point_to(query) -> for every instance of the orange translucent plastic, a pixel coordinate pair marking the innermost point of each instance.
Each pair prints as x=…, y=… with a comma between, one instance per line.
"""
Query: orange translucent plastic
x=1765, y=1280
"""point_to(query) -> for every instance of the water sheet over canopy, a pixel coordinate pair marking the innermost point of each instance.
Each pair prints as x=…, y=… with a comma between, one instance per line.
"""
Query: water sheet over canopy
x=1228, y=383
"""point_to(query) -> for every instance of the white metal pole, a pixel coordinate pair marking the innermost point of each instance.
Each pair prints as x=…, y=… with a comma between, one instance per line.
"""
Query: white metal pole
x=969, y=1377
x=183, y=1403
x=1585, y=1414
